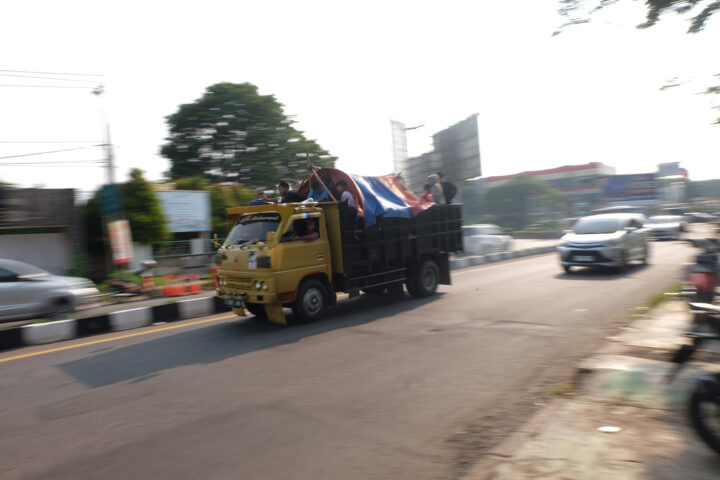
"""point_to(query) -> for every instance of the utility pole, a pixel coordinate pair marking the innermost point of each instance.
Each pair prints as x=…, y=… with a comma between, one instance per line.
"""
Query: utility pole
x=109, y=156
x=107, y=144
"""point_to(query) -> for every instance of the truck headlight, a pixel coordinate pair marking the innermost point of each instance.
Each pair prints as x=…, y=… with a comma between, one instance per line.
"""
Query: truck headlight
x=258, y=285
x=264, y=287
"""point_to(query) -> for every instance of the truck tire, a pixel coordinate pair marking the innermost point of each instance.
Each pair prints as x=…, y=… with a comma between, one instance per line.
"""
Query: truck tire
x=256, y=309
x=423, y=279
x=311, y=302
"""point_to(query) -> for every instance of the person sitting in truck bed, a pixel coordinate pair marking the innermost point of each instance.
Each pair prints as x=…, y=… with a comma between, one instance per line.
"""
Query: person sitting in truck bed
x=285, y=195
x=317, y=192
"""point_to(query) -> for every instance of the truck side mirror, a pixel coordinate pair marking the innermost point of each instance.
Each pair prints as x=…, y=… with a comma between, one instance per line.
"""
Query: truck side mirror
x=216, y=244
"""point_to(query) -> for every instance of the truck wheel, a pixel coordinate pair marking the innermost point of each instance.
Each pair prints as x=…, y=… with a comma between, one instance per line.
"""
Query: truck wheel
x=311, y=302
x=256, y=309
x=423, y=280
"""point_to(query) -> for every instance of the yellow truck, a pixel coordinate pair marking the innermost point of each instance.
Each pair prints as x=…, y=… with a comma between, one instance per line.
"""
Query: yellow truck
x=268, y=262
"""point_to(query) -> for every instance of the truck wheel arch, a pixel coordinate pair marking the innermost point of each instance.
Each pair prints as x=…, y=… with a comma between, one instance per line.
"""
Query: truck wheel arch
x=312, y=300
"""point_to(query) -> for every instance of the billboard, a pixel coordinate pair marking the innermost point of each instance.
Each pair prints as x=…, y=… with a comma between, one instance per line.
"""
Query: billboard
x=120, y=241
x=186, y=211
x=629, y=188
x=458, y=147
x=400, y=153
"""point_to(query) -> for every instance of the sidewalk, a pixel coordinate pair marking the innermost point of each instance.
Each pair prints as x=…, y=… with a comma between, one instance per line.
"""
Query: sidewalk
x=621, y=386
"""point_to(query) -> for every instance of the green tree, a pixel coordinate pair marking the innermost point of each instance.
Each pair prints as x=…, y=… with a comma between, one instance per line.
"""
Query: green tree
x=699, y=11
x=704, y=189
x=580, y=11
x=94, y=235
x=232, y=133
x=524, y=199
x=142, y=209
x=192, y=183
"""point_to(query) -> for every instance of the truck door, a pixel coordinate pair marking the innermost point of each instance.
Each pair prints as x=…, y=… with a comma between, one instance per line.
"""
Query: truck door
x=301, y=254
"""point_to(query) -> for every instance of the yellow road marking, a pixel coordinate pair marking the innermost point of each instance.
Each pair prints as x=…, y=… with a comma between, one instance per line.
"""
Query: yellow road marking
x=104, y=340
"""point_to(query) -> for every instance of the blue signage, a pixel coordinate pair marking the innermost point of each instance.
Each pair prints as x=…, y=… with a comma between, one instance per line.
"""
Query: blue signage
x=640, y=186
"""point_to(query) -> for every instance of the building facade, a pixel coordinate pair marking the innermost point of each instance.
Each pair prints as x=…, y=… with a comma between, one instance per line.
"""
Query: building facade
x=456, y=153
x=40, y=226
x=584, y=184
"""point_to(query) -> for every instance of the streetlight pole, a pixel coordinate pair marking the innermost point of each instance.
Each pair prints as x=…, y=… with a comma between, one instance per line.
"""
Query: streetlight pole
x=107, y=144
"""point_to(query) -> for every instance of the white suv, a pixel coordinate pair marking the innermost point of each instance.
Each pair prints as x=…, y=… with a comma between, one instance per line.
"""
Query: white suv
x=608, y=240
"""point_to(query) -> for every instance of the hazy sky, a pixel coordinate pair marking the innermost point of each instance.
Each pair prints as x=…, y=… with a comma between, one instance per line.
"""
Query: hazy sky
x=346, y=69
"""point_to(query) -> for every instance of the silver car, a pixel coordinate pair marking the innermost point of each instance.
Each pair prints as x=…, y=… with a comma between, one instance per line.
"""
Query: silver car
x=27, y=291
x=608, y=240
x=482, y=239
x=665, y=227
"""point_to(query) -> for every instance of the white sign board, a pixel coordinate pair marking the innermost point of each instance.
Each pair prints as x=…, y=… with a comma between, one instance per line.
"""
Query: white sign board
x=186, y=211
x=120, y=241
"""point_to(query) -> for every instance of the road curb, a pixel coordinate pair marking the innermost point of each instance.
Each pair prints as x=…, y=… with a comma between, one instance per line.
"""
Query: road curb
x=42, y=333
x=129, y=319
x=486, y=467
x=618, y=373
x=472, y=261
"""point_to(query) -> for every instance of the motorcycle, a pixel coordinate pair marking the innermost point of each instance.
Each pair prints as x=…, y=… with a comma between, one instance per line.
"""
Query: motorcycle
x=122, y=288
x=704, y=400
x=703, y=274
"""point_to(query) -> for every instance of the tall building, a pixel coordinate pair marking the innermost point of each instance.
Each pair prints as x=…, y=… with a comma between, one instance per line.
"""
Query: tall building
x=456, y=152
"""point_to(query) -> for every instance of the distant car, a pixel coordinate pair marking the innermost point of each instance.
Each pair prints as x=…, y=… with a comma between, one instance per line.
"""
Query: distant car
x=27, y=291
x=700, y=217
x=665, y=227
x=482, y=239
x=607, y=240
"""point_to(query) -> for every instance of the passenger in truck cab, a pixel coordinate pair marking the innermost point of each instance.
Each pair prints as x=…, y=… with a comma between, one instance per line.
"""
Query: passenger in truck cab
x=311, y=231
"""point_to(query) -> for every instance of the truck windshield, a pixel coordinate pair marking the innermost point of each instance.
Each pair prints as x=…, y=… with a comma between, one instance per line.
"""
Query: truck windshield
x=253, y=228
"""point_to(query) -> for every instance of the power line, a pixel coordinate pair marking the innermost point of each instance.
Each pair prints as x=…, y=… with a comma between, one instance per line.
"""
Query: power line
x=47, y=86
x=82, y=163
x=48, y=78
x=55, y=73
x=50, y=141
x=51, y=151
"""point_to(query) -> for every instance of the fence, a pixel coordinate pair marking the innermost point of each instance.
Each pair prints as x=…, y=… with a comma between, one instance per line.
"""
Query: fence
x=182, y=248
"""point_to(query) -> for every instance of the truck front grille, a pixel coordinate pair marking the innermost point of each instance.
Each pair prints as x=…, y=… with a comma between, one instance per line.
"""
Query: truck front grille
x=239, y=282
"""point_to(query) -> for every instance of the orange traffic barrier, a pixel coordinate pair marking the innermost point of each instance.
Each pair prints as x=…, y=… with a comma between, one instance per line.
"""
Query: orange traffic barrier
x=174, y=290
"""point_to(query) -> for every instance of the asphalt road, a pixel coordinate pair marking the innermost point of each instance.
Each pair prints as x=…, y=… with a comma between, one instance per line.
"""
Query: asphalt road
x=385, y=387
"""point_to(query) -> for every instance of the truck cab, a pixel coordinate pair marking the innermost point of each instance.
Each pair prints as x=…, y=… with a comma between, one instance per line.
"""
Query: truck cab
x=264, y=261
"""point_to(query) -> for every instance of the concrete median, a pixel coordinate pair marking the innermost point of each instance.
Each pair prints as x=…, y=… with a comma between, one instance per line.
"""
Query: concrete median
x=196, y=307
x=129, y=319
x=40, y=333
